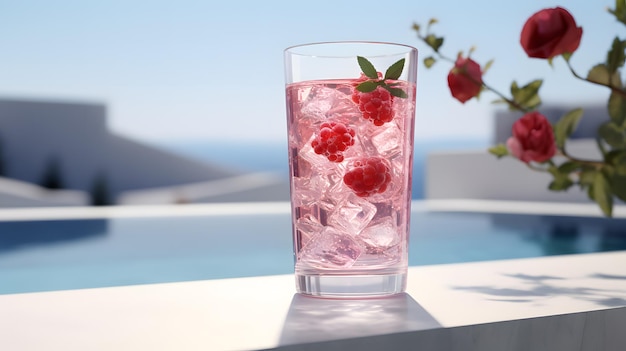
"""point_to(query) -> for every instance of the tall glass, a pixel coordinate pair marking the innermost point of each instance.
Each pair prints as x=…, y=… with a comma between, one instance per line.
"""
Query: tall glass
x=350, y=119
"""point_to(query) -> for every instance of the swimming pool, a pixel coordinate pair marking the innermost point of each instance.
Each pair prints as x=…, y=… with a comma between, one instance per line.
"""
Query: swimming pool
x=100, y=251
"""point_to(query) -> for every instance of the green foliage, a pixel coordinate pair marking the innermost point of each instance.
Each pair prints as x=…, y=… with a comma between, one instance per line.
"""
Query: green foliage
x=619, y=11
x=499, y=150
x=603, y=179
x=613, y=135
x=600, y=192
x=566, y=126
x=527, y=96
x=600, y=74
x=561, y=180
x=615, y=57
x=618, y=186
x=367, y=68
x=429, y=61
x=617, y=108
x=393, y=73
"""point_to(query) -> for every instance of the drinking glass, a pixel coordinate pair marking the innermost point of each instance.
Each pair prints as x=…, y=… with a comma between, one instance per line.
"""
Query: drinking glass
x=350, y=121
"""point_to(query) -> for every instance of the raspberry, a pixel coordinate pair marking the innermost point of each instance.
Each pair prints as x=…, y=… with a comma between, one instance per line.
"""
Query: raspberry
x=332, y=140
x=375, y=105
x=368, y=176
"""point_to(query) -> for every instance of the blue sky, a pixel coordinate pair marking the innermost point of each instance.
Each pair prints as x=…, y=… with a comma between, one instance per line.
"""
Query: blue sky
x=205, y=70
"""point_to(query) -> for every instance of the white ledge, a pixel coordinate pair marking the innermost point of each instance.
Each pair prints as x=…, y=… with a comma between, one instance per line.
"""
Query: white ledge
x=551, y=303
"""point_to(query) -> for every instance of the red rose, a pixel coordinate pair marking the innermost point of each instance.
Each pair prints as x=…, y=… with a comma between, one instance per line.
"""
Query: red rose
x=549, y=33
x=465, y=79
x=533, y=138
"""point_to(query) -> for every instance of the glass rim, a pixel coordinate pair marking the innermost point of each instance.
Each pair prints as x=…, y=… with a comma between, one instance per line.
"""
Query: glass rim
x=293, y=50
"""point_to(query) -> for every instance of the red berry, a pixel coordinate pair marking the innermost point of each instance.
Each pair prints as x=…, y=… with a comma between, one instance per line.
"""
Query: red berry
x=375, y=105
x=368, y=176
x=332, y=140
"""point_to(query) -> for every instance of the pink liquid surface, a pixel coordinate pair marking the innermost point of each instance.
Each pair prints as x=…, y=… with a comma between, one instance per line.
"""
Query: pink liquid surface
x=337, y=230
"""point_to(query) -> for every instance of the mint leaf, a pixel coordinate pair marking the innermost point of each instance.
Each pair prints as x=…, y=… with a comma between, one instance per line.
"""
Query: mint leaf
x=367, y=68
x=394, y=71
x=397, y=92
x=367, y=86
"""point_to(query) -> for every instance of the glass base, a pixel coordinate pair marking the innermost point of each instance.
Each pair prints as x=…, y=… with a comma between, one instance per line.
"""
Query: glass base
x=350, y=286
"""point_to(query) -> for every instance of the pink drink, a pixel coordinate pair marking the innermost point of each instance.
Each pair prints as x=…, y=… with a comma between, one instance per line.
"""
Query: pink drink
x=350, y=187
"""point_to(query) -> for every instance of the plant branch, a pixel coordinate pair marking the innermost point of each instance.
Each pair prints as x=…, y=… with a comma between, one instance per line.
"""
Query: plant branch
x=610, y=86
x=483, y=84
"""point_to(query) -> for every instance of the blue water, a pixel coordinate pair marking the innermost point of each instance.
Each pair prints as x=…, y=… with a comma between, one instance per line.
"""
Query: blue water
x=74, y=254
x=272, y=157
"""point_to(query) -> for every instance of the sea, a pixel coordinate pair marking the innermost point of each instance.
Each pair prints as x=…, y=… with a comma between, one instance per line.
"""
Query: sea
x=263, y=156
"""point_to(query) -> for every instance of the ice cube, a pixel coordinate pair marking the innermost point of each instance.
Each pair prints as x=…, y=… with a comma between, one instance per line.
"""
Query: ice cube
x=352, y=214
x=309, y=226
x=387, y=140
x=327, y=102
x=380, y=236
x=331, y=249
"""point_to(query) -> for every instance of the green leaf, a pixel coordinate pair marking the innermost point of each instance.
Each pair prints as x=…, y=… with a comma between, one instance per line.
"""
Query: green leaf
x=367, y=68
x=600, y=74
x=429, y=61
x=586, y=177
x=618, y=185
x=615, y=57
x=396, y=92
x=566, y=125
x=560, y=184
x=394, y=71
x=434, y=42
x=367, y=86
x=600, y=192
x=487, y=66
x=617, y=159
x=416, y=27
x=499, y=150
x=566, y=56
x=617, y=108
x=612, y=135
x=561, y=180
x=528, y=95
x=620, y=11
x=568, y=167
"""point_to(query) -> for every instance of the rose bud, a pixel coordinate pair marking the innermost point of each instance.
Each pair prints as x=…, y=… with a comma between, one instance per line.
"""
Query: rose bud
x=549, y=33
x=533, y=138
x=465, y=79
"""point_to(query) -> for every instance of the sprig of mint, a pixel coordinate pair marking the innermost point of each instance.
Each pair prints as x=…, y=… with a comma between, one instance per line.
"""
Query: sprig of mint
x=393, y=73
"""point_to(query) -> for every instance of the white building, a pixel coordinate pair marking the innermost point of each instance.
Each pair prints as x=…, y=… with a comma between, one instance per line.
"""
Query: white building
x=71, y=141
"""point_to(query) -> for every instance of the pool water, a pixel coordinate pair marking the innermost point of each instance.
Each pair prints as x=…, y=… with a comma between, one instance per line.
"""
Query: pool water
x=72, y=254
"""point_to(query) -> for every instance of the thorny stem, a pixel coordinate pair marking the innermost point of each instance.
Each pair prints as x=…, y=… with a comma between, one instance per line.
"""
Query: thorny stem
x=610, y=86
